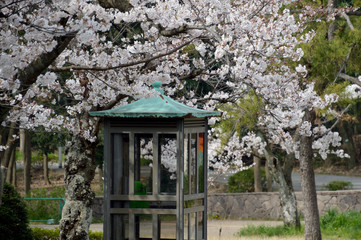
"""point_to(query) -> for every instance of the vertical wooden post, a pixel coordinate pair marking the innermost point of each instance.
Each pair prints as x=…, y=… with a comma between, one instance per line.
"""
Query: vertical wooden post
x=108, y=158
x=205, y=178
x=180, y=180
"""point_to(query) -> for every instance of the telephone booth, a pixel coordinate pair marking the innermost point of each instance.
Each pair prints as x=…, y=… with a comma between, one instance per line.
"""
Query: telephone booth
x=155, y=170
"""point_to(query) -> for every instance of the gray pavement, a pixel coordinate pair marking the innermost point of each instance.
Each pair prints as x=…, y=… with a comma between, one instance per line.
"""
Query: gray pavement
x=323, y=179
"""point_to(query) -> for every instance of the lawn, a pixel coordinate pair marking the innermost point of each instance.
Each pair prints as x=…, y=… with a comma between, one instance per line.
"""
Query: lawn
x=334, y=225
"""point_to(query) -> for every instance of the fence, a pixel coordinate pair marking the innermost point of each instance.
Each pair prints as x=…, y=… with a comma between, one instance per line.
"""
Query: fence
x=48, y=221
x=264, y=205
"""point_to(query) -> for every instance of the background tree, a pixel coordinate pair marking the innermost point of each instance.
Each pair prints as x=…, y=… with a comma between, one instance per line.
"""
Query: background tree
x=46, y=143
x=332, y=57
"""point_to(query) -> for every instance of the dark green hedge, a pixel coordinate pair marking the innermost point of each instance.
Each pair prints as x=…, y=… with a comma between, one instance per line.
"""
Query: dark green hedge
x=13, y=216
x=243, y=181
x=53, y=234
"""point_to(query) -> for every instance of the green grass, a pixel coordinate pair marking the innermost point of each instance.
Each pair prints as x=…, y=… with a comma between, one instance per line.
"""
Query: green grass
x=346, y=225
x=44, y=209
x=270, y=231
x=334, y=225
x=38, y=157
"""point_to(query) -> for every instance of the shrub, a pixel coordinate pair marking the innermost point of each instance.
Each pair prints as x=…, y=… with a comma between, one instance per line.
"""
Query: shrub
x=243, y=181
x=13, y=216
x=53, y=234
x=338, y=185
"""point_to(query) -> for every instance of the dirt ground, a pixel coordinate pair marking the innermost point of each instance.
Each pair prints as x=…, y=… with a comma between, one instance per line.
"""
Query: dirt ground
x=56, y=177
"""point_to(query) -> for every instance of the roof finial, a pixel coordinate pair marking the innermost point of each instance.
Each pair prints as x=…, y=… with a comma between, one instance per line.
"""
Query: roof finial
x=157, y=86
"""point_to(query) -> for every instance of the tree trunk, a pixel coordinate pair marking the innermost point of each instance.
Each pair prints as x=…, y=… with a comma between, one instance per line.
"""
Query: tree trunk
x=287, y=196
x=9, y=174
x=257, y=174
x=2, y=180
x=79, y=172
x=312, y=220
x=350, y=145
x=25, y=145
x=13, y=179
x=268, y=177
x=46, y=169
x=3, y=137
x=10, y=143
x=101, y=180
x=331, y=5
x=60, y=156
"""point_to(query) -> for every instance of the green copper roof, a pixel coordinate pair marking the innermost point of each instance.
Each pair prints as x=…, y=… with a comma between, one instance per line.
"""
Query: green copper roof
x=160, y=106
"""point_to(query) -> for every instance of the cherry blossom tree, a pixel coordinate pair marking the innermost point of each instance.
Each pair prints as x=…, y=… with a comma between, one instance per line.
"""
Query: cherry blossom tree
x=101, y=54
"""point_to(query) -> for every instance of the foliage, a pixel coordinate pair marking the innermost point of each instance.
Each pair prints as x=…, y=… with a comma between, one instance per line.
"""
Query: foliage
x=338, y=185
x=243, y=181
x=45, y=209
x=46, y=142
x=242, y=117
x=53, y=234
x=13, y=216
x=346, y=224
x=39, y=157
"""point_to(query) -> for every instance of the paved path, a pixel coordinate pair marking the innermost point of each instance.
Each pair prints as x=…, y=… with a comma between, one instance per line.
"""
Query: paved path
x=321, y=180
x=217, y=229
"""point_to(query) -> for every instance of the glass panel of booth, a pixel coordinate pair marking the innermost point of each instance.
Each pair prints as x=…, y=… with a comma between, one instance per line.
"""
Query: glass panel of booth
x=194, y=225
x=119, y=169
x=200, y=232
x=144, y=164
x=186, y=168
x=167, y=164
x=193, y=164
x=168, y=226
x=200, y=163
x=120, y=226
x=143, y=226
x=143, y=157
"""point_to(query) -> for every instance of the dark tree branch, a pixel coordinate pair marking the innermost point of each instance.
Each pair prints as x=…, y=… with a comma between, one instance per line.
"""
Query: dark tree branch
x=345, y=62
x=121, y=5
x=29, y=74
x=350, y=78
x=172, y=32
x=354, y=13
